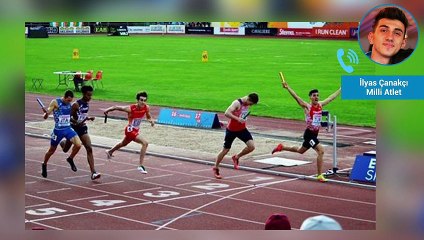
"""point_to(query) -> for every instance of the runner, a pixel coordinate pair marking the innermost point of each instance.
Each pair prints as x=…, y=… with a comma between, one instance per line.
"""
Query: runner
x=313, y=114
x=237, y=112
x=61, y=108
x=135, y=113
x=79, y=113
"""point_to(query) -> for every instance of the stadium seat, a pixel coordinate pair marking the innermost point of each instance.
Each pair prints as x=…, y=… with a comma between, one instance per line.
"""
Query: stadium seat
x=98, y=78
x=88, y=77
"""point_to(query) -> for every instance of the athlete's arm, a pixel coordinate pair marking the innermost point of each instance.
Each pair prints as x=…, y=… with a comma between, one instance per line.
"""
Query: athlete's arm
x=331, y=97
x=233, y=107
x=52, y=106
x=119, y=108
x=299, y=101
x=74, y=113
x=149, y=117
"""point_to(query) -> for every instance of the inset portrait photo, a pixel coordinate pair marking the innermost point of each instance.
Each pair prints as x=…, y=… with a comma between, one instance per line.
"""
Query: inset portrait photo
x=388, y=34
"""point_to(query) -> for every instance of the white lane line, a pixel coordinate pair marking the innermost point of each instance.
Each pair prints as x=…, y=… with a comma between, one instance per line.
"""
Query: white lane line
x=159, y=176
x=79, y=176
x=86, y=198
x=32, y=182
x=202, y=170
x=125, y=170
x=45, y=225
x=107, y=183
x=241, y=175
x=172, y=164
x=215, y=201
x=54, y=190
x=142, y=190
x=37, y=205
x=189, y=183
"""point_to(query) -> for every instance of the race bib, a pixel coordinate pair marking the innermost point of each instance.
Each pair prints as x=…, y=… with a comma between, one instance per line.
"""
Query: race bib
x=136, y=122
x=64, y=120
x=81, y=117
x=316, y=120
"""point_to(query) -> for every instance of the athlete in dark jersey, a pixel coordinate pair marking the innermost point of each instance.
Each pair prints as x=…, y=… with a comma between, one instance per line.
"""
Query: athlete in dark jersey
x=135, y=114
x=79, y=116
x=61, y=108
x=237, y=112
x=313, y=114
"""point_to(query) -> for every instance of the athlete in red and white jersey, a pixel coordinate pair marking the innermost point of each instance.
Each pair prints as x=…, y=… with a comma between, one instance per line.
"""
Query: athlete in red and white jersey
x=237, y=112
x=136, y=112
x=313, y=115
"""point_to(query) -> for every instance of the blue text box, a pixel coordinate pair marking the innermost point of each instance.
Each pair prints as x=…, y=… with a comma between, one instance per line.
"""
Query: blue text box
x=382, y=87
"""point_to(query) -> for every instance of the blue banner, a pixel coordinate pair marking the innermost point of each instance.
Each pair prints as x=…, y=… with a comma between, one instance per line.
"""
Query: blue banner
x=382, y=87
x=188, y=118
x=364, y=169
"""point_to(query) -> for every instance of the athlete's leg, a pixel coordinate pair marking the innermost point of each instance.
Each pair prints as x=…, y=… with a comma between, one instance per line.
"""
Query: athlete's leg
x=86, y=141
x=250, y=146
x=320, y=151
x=49, y=153
x=221, y=156
x=144, y=145
x=119, y=145
x=77, y=145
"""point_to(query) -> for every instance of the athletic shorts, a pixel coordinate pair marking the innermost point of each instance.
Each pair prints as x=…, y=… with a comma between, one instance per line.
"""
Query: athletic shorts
x=80, y=130
x=131, y=133
x=310, y=139
x=58, y=134
x=243, y=135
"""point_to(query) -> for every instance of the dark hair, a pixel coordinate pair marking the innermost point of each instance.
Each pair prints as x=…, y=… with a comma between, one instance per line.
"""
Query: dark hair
x=86, y=89
x=313, y=91
x=254, y=98
x=69, y=93
x=141, y=94
x=393, y=13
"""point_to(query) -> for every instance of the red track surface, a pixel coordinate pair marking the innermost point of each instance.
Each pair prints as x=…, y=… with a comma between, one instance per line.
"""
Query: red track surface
x=176, y=194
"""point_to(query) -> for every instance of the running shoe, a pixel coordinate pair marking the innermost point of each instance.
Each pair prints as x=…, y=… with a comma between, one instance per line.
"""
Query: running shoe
x=95, y=175
x=72, y=164
x=44, y=170
x=235, y=161
x=321, y=178
x=279, y=148
x=216, y=173
x=142, y=169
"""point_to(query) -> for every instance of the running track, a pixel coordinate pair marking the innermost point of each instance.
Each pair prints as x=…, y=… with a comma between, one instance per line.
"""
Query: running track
x=176, y=195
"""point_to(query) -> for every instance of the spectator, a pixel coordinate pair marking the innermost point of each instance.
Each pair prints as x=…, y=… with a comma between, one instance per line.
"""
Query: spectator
x=320, y=222
x=277, y=222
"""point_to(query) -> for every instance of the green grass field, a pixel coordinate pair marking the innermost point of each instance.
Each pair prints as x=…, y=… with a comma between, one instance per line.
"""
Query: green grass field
x=170, y=69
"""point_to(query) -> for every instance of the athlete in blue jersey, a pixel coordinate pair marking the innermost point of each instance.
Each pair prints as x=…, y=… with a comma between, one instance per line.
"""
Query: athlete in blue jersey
x=79, y=116
x=61, y=108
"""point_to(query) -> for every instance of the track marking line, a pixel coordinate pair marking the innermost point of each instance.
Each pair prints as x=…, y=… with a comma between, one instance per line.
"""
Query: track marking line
x=188, y=183
x=241, y=175
x=72, y=177
x=126, y=170
x=37, y=205
x=143, y=190
x=159, y=176
x=171, y=165
x=54, y=190
x=86, y=198
x=213, y=202
x=107, y=183
x=45, y=225
x=32, y=182
x=201, y=170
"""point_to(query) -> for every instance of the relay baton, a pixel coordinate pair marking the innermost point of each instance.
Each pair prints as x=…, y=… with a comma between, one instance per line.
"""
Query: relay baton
x=282, y=77
x=41, y=104
x=247, y=114
x=105, y=118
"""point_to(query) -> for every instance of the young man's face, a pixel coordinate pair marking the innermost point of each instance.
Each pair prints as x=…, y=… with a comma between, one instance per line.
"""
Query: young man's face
x=87, y=96
x=68, y=99
x=314, y=98
x=387, y=39
x=142, y=101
